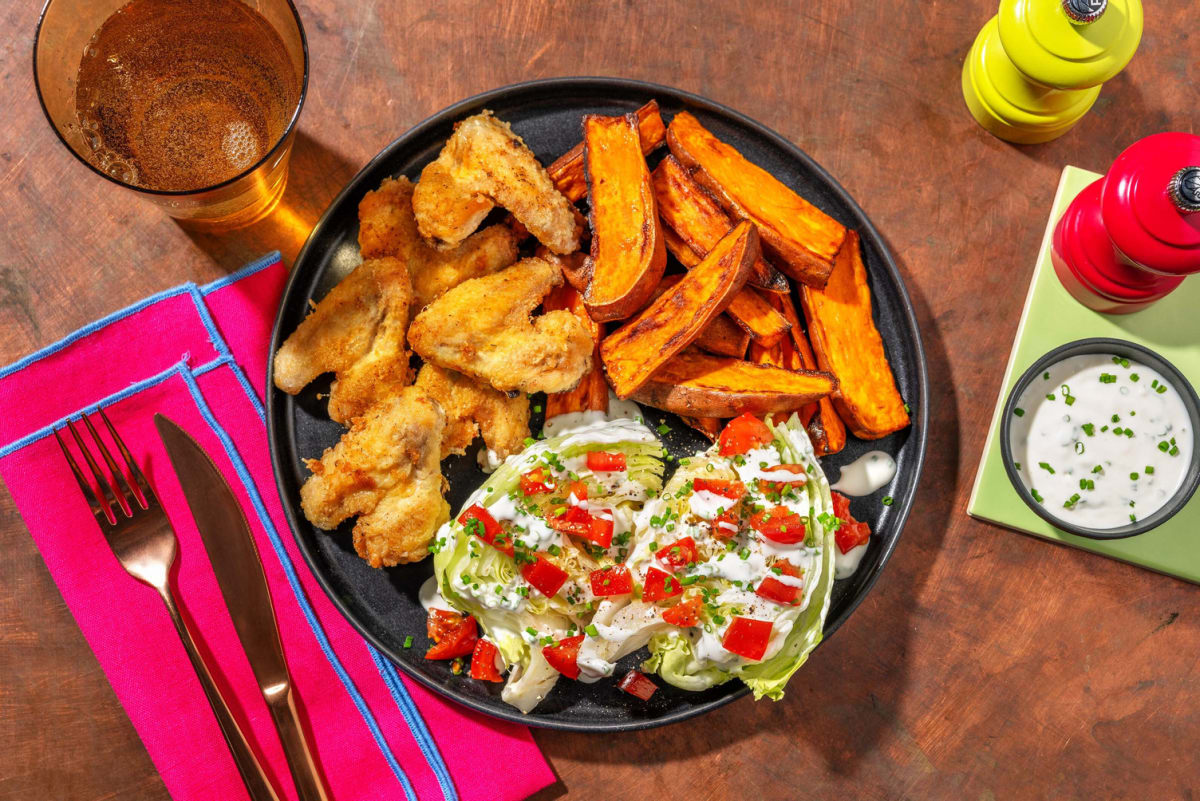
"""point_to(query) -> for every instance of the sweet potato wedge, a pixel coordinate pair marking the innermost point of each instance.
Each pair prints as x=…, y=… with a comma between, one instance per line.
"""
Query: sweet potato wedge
x=696, y=384
x=801, y=239
x=708, y=426
x=591, y=394
x=847, y=344
x=695, y=216
x=723, y=336
x=825, y=426
x=632, y=353
x=784, y=356
x=628, y=255
x=567, y=170
x=747, y=308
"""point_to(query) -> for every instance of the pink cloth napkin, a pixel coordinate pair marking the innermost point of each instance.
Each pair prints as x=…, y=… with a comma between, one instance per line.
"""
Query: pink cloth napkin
x=198, y=355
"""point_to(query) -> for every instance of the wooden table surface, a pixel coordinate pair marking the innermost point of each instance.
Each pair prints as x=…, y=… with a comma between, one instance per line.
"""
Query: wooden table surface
x=984, y=665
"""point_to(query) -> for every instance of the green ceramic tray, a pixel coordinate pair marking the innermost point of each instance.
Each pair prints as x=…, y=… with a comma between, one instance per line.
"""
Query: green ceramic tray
x=1051, y=318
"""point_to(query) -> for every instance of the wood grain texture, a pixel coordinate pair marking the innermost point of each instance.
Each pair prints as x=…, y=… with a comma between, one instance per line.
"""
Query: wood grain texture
x=985, y=665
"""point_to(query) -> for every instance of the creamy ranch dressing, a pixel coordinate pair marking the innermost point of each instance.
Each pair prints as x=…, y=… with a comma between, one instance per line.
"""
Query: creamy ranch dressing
x=869, y=472
x=1101, y=443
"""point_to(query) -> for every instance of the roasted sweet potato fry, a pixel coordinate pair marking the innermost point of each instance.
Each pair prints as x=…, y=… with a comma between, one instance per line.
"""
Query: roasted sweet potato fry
x=591, y=394
x=695, y=216
x=696, y=384
x=635, y=351
x=567, y=171
x=628, y=255
x=801, y=238
x=783, y=355
x=575, y=266
x=708, y=426
x=847, y=344
x=825, y=427
x=723, y=336
x=747, y=308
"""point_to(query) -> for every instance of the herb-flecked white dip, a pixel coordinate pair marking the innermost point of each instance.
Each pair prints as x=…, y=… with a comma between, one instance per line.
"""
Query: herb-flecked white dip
x=1101, y=441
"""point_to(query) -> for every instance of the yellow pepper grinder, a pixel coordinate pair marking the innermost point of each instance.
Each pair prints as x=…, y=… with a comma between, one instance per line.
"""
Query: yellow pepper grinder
x=1037, y=66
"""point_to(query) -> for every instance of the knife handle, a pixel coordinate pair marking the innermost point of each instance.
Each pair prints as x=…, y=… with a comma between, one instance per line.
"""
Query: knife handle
x=253, y=775
x=310, y=786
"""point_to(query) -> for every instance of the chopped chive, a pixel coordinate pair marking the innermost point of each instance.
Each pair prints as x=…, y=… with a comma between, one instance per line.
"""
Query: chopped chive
x=1046, y=376
x=408, y=641
x=1132, y=518
x=1108, y=378
x=1164, y=446
x=1089, y=429
x=591, y=630
x=1079, y=447
x=1103, y=428
x=1174, y=451
x=1070, y=502
x=1050, y=396
x=887, y=499
x=1116, y=418
x=1161, y=389
x=1015, y=464
x=1098, y=469
x=1019, y=412
x=1036, y=495
x=663, y=428
x=1134, y=377
x=1149, y=470
x=1133, y=476
x=1046, y=466
x=1124, y=362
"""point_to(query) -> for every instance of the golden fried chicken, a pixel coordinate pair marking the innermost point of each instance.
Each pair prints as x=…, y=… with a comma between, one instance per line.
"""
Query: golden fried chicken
x=472, y=408
x=485, y=163
x=386, y=471
x=387, y=227
x=356, y=332
x=483, y=328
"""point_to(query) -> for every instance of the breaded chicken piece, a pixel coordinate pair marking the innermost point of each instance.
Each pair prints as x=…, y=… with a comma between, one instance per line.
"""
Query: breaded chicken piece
x=483, y=328
x=485, y=163
x=387, y=227
x=386, y=471
x=472, y=408
x=357, y=332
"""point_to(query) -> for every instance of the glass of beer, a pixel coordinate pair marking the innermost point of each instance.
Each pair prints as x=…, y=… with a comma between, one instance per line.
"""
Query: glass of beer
x=190, y=103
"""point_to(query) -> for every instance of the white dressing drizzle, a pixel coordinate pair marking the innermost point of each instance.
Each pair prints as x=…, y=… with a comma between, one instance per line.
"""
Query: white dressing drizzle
x=866, y=474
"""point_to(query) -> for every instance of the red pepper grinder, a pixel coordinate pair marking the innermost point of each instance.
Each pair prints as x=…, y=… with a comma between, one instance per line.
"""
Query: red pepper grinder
x=1131, y=237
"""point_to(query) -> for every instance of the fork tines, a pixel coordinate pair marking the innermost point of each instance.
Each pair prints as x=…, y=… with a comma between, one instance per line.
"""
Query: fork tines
x=116, y=493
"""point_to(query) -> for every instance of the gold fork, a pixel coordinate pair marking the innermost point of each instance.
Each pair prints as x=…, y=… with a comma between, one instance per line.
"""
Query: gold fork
x=143, y=541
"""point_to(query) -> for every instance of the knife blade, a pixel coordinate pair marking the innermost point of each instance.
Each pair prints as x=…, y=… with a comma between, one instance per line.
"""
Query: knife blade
x=235, y=562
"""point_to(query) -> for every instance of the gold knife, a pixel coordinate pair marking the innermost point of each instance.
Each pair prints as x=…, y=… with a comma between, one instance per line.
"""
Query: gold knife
x=235, y=561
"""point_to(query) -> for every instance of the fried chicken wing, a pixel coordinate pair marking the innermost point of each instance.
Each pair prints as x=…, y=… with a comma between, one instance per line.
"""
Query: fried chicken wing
x=387, y=227
x=385, y=470
x=483, y=328
x=472, y=408
x=356, y=332
x=484, y=164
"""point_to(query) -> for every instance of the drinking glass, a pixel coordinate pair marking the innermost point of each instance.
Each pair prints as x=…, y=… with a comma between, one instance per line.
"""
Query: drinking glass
x=66, y=28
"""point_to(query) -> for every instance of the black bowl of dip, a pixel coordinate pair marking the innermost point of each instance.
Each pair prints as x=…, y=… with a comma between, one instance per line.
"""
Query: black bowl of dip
x=1133, y=352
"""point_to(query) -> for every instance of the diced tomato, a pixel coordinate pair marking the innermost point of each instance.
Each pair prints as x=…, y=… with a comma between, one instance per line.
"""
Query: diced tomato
x=536, y=481
x=479, y=522
x=660, y=585
x=483, y=662
x=578, y=522
x=851, y=533
x=725, y=525
x=453, y=635
x=780, y=592
x=578, y=489
x=563, y=656
x=685, y=613
x=678, y=553
x=544, y=576
x=790, y=475
x=605, y=462
x=615, y=580
x=733, y=490
x=743, y=433
x=636, y=683
x=441, y=621
x=748, y=637
x=779, y=524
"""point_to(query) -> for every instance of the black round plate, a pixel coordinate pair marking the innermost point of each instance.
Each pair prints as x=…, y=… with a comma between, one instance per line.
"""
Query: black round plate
x=382, y=604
